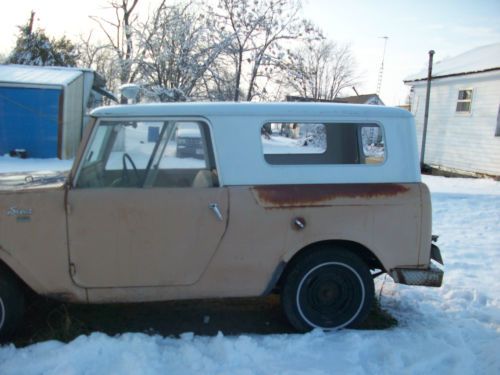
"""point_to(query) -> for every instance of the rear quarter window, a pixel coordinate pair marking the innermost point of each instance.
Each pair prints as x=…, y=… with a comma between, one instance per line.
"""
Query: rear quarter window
x=322, y=143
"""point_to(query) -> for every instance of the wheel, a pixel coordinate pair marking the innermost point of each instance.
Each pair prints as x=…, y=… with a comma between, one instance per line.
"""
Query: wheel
x=327, y=289
x=11, y=303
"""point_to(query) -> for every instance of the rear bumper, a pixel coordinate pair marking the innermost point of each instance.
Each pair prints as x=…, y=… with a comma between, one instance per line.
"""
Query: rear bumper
x=432, y=276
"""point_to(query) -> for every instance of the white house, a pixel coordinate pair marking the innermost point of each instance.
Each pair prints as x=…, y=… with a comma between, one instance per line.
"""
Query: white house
x=463, y=132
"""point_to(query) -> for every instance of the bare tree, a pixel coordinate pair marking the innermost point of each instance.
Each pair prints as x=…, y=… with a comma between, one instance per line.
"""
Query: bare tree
x=179, y=48
x=120, y=37
x=101, y=59
x=320, y=70
x=256, y=28
x=217, y=83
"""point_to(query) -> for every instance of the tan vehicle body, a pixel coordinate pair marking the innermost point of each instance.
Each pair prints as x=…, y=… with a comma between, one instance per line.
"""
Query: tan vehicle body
x=240, y=259
x=132, y=244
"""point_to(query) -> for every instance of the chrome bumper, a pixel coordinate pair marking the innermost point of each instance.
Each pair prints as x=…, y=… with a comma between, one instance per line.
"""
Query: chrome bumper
x=432, y=276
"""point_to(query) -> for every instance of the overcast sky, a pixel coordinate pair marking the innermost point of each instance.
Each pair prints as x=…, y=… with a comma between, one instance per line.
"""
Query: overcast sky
x=450, y=27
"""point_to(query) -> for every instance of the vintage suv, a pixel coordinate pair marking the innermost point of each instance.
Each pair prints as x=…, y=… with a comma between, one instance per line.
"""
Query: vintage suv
x=311, y=201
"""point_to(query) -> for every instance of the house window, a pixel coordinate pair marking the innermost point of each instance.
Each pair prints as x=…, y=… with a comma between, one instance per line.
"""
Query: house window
x=464, y=101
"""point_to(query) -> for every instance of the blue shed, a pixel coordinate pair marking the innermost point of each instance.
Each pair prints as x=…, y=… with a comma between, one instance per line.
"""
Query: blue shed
x=43, y=110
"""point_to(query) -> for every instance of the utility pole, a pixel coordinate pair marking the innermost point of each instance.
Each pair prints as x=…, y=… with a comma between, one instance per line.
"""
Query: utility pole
x=426, y=115
x=381, y=71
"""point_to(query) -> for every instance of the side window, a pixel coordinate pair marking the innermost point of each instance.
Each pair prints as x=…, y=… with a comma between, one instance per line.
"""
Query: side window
x=148, y=154
x=186, y=160
x=322, y=143
x=96, y=148
x=372, y=144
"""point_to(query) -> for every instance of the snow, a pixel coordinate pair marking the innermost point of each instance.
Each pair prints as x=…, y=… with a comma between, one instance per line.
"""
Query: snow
x=140, y=150
x=9, y=164
x=277, y=144
x=27, y=74
x=475, y=60
x=454, y=329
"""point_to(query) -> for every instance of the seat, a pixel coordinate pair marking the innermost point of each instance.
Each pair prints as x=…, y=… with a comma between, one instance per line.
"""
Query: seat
x=203, y=179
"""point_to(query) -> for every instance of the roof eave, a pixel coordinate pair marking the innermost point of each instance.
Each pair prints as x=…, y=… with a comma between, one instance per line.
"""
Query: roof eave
x=452, y=75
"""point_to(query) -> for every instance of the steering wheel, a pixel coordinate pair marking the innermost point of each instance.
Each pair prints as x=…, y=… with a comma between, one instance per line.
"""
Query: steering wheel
x=125, y=173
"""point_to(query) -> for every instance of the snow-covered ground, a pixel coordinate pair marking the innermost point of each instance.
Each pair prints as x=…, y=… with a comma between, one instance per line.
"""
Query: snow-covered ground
x=277, y=144
x=451, y=330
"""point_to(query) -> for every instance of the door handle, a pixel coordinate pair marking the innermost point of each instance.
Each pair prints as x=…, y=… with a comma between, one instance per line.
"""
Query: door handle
x=215, y=208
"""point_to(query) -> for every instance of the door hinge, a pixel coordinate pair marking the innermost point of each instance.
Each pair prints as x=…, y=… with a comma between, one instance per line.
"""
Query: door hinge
x=72, y=269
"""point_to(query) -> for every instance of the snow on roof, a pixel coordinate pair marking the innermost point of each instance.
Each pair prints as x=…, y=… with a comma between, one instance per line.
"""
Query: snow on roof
x=42, y=75
x=477, y=60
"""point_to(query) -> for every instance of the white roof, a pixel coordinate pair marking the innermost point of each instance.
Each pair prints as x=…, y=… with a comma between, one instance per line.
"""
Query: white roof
x=39, y=75
x=278, y=109
x=474, y=61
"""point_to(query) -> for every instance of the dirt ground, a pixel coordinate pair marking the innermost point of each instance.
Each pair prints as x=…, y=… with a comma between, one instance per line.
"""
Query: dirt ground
x=47, y=320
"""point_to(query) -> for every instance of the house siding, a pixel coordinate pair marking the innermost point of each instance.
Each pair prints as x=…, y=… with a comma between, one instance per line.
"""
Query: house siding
x=465, y=142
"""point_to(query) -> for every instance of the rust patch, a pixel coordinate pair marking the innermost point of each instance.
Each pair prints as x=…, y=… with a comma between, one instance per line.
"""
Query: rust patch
x=312, y=195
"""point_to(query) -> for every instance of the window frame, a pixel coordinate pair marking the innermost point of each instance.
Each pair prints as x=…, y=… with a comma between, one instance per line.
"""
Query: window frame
x=359, y=125
x=458, y=101
x=205, y=128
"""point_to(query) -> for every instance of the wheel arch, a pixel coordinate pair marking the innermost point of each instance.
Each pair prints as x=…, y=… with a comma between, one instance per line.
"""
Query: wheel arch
x=366, y=255
x=27, y=282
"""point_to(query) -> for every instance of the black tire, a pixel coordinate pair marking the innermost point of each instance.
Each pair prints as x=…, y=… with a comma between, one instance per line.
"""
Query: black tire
x=11, y=303
x=327, y=289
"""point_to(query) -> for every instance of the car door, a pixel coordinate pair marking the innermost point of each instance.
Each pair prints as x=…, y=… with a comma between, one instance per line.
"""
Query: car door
x=139, y=215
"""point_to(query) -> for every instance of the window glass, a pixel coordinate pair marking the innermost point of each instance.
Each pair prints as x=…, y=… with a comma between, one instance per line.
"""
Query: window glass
x=96, y=148
x=463, y=107
x=322, y=143
x=132, y=140
x=464, y=101
x=372, y=144
x=147, y=154
x=293, y=138
x=185, y=148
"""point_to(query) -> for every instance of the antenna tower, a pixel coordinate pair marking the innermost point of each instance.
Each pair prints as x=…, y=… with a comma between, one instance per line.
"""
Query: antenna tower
x=381, y=71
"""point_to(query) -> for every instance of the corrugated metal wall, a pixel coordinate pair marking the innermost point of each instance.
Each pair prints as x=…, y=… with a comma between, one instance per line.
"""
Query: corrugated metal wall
x=29, y=119
x=73, y=116
x=460, y=141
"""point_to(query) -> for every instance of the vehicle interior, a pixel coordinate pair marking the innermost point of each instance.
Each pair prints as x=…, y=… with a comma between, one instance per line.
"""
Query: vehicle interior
x=142, y=154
